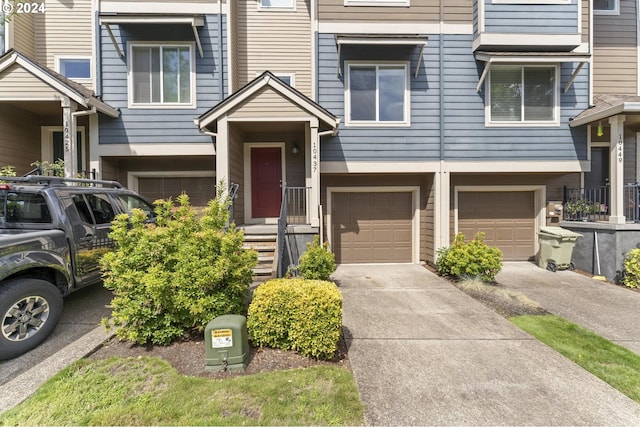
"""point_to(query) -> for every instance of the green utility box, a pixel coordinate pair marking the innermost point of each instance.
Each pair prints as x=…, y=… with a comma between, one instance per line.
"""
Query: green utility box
x=226, y=343
x=556, y=248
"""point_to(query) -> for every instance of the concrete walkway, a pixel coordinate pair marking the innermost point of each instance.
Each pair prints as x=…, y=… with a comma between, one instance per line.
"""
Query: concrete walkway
x=609, y=310
x=424, y=353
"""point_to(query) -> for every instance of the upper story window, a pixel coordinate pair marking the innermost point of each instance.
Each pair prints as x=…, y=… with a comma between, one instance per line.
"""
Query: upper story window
x=77, y=68
x=277, y=4
x=523, y=94
x=162, y=75
x=606, y=7
x=377, y=94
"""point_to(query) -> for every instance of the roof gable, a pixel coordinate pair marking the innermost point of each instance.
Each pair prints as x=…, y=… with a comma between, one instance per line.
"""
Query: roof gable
x=267, y=86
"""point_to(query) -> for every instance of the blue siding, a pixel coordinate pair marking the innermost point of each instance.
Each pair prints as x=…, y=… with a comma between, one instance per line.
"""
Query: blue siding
x=149, y=125
x=531, y=19
x=465, y=136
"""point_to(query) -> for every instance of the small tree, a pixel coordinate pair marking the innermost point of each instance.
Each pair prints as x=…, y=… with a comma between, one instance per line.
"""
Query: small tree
x=176, y=274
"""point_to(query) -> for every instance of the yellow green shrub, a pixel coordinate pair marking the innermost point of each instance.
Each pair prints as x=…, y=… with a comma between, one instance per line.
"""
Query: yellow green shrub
x=297, y=314
x=631, y=276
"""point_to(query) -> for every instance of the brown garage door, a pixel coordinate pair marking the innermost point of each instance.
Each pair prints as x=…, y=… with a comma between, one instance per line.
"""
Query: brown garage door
x=507, y=219
x=372, y=227
x=199, y=189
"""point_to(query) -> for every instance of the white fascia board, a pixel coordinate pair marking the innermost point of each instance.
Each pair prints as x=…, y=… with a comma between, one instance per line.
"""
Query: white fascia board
x=196, y=21
x=393, y=28
x=193, y=149
x=625, y=107
x=160, y=7
x=525, y=40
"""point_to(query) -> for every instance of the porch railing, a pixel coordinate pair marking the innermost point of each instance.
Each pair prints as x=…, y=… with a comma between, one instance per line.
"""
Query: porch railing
x=293, y=211
x=593, y=204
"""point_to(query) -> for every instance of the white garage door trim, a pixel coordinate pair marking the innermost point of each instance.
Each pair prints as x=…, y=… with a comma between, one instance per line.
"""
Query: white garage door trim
x=539, y=196
x=132, y=176
x=415, y=206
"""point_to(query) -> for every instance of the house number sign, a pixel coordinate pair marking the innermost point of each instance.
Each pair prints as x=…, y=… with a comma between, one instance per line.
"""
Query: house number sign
x=620, y=150
x=66, y=137
x=314, y=156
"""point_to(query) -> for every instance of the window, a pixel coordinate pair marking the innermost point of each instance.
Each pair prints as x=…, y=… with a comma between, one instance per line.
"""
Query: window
x=135, y=202
x=377, y=94
x=75, y=68
x=94, y=208
x=521, y=94
x=277, y=4
x=24, y=207
x=162, y=75
x=606, y=7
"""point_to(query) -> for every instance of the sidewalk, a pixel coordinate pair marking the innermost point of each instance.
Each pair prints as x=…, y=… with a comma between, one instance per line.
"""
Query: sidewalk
x=424, y=353
x=611, y=311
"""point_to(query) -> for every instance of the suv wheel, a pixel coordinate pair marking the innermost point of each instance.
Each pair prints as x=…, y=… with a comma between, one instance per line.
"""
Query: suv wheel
x=29, y=311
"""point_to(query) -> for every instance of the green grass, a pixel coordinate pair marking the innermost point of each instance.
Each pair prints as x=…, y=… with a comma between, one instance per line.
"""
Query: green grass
x=148, y=391
x=612, y=363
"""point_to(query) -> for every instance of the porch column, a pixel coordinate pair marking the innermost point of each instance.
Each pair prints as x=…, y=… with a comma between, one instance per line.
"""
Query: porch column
x=69, y=138
x=222, y=153
x=313, y=164
x=94, y=148
x=442, y=187
x=616, y=166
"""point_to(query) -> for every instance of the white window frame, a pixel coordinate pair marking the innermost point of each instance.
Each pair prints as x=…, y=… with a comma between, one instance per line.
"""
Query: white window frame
x=291, y=76
x=59, y=59
x=381, y=3
x=531, y=1
x=161, y=105
x=291, y=8
x=615, y=11
x=525, y=123
x=376, y=123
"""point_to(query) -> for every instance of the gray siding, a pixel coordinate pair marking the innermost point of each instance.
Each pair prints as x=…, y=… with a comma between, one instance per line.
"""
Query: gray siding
x=465, y=135
x=531, y=19
x=160, y=125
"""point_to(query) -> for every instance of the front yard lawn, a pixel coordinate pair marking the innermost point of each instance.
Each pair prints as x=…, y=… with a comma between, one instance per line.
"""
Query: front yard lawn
x=149, y=391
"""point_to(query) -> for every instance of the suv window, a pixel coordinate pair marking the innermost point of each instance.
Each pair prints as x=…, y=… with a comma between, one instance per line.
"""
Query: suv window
x=24, y=207
x=94, y=208
x=135, y=202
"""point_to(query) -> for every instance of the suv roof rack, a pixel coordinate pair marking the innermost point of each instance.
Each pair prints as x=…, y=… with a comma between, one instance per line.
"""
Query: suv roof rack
x=57, y=180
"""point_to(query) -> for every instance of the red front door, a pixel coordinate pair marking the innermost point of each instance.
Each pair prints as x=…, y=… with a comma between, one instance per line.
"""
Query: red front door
x=266, y=177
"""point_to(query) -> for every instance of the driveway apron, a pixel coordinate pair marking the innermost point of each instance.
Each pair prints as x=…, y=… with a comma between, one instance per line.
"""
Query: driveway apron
x=424, y=353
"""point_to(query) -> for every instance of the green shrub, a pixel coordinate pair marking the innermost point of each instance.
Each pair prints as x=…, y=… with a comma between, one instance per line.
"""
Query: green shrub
x=469, y=259
x=7, y=170
x=177, y=274
x=631, y=277
x=318, y=262
x=297, y=314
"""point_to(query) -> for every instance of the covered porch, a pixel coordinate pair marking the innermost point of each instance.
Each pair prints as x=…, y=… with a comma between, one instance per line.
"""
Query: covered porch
x=46, y=117
x=606, y=208
x=267, y=143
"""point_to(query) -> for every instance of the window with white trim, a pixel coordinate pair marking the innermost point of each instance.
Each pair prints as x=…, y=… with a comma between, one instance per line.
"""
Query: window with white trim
x=277, y=4
x=377, y=94
x=77, y=68
x=162, y=75
x=523, y=94
x=606, y=7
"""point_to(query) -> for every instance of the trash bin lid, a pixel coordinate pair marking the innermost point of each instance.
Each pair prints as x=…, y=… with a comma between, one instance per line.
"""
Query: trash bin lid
x=558, y=232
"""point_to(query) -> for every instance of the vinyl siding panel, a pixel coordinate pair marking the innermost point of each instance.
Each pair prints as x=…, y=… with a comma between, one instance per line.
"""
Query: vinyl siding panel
x=277, y=41
x=19, y=139
x=160, y=125
x=268, y=103
x=586, y=8
x=236, y=172
x=17, y=83
x=465, y=136
x=454, y=12
x=615, y=53
x=538, y=19
x=23, y=34
x=64, y=29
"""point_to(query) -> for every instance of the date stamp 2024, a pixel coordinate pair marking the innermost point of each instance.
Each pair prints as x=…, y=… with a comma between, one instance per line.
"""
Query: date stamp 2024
x=20, y=7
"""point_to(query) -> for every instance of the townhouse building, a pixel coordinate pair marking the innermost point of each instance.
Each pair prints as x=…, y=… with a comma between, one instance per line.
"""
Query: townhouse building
x=386, y=126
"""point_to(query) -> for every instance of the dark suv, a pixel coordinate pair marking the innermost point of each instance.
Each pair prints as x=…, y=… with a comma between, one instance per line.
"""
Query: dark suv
x=53, y=232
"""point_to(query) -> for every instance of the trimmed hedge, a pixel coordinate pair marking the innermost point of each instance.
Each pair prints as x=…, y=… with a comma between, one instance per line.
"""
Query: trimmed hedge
x=297, y=314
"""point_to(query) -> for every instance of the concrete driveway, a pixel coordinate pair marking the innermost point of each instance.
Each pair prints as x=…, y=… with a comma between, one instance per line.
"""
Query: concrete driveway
x=611, y=311
x=424, y=353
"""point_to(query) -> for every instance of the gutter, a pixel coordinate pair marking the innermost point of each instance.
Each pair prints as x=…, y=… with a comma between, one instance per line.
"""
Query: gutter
x=625, y=107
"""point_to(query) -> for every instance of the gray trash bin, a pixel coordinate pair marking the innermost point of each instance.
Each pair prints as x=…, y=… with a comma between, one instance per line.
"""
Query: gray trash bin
x=556, y=248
